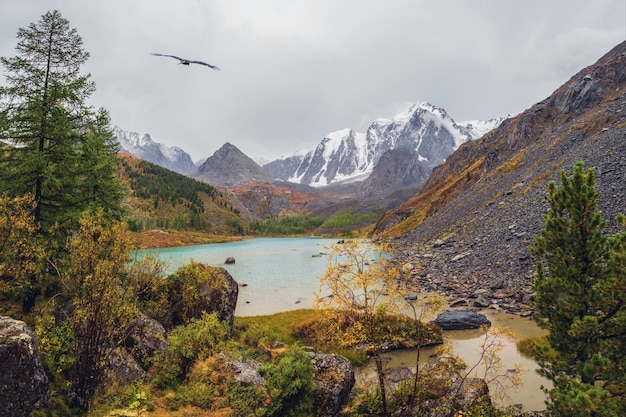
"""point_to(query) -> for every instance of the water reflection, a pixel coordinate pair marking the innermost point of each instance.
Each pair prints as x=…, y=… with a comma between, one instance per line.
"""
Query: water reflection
x=465, y=343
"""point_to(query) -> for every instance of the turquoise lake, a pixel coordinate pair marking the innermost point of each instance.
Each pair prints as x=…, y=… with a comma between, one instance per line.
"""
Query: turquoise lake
x=280, y=274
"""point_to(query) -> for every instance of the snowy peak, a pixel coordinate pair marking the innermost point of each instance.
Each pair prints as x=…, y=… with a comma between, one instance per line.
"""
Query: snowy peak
x=142, y=146
x=478, y=128
x=424, y=129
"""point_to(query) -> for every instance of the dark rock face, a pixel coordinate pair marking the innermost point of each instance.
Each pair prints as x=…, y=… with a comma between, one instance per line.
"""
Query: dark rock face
x=461, y=320
x=130, y=361
x=122, y=367
x=333, y=380
x=396, y=168
x=23, y=382
x=229, y=260
x=229, y=166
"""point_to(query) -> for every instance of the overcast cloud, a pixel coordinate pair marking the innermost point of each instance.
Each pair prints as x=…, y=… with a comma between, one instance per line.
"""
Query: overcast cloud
x=296, y=70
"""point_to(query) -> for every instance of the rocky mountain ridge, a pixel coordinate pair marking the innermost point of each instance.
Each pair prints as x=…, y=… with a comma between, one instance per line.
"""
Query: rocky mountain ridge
x=229, y=166
x=425, y=131
x=468, y=231
x=143, y=147
x=346, y=155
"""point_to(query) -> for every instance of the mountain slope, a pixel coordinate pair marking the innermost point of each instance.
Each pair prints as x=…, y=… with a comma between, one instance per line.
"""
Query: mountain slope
x=143, y=147
x=229, y=166
x=162, y=199
x=345, y=155
x=470, y=226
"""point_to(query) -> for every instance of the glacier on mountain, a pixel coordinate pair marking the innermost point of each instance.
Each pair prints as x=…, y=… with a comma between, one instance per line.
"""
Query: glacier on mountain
x=346, y=155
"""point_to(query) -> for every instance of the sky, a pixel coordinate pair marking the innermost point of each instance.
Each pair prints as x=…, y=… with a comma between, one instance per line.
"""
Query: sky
x=293, y=71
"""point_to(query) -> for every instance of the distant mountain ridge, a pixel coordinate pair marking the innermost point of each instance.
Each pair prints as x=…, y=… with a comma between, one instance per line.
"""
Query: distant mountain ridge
x=345, y=155
x=143, y=147
x=425, y=133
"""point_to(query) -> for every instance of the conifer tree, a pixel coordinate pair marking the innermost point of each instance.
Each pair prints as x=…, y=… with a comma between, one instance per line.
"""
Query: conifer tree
x=45, y=119
x=581, y=300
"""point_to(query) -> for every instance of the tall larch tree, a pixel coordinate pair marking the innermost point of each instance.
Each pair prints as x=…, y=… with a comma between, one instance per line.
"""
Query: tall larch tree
x=581, y=300
x=53, y=134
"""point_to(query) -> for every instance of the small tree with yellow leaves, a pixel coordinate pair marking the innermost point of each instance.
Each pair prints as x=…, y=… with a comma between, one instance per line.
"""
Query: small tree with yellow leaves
x=21, y=258
x=99, y=305
x=358, y=291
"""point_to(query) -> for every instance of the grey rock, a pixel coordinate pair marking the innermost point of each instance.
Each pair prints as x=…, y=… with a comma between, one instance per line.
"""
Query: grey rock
x=461, y=320
x=146, y=336
x=122, y=367
x=23, y=381
x=333, y=380
x=229, y=166
x=482, y=302
x=246, y=372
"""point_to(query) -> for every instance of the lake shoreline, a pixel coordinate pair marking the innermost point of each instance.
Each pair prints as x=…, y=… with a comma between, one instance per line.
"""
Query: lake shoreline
x=456, y=297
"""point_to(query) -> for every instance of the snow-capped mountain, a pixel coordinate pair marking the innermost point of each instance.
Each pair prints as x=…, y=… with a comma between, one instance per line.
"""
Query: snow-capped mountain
x=478, y=128
x=344, y=155
x=142, y=146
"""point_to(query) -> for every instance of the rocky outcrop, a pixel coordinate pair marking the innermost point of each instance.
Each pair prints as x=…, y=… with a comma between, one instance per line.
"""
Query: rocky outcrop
x=122, y=367
x=461, y=320
x=246, y=372
x=23, y=382
x=198, y=288
x=396, y=169
x=333, y=380
x=146, y=336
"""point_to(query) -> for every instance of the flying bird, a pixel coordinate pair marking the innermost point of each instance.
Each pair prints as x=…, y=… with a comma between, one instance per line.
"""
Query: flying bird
x=189, y=61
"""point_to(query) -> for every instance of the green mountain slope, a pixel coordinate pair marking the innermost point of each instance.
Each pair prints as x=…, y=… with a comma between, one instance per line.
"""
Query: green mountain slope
x=162, y=199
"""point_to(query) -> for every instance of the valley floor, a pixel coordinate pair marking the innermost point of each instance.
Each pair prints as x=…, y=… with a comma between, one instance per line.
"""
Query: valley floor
x=156, y=238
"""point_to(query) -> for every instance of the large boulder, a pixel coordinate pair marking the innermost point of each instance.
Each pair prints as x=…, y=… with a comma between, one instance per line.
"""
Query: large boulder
x=333, y=380
x=197, y=288
x=461, y=320
x=131, y=360
x=23, y=381
x=145, y=337
x=122, y=367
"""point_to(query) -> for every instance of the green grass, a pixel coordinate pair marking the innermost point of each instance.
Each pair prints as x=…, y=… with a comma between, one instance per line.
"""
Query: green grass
x=280, y=325
x=348, y=218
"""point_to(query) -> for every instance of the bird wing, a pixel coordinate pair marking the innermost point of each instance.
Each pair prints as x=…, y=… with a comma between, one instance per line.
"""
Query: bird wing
x=171, y=56
x=204, y=63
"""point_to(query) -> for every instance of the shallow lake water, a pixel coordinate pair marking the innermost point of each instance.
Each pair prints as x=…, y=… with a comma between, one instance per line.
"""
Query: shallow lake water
x=465, y=344
x=274, y=274
x=282, y=274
